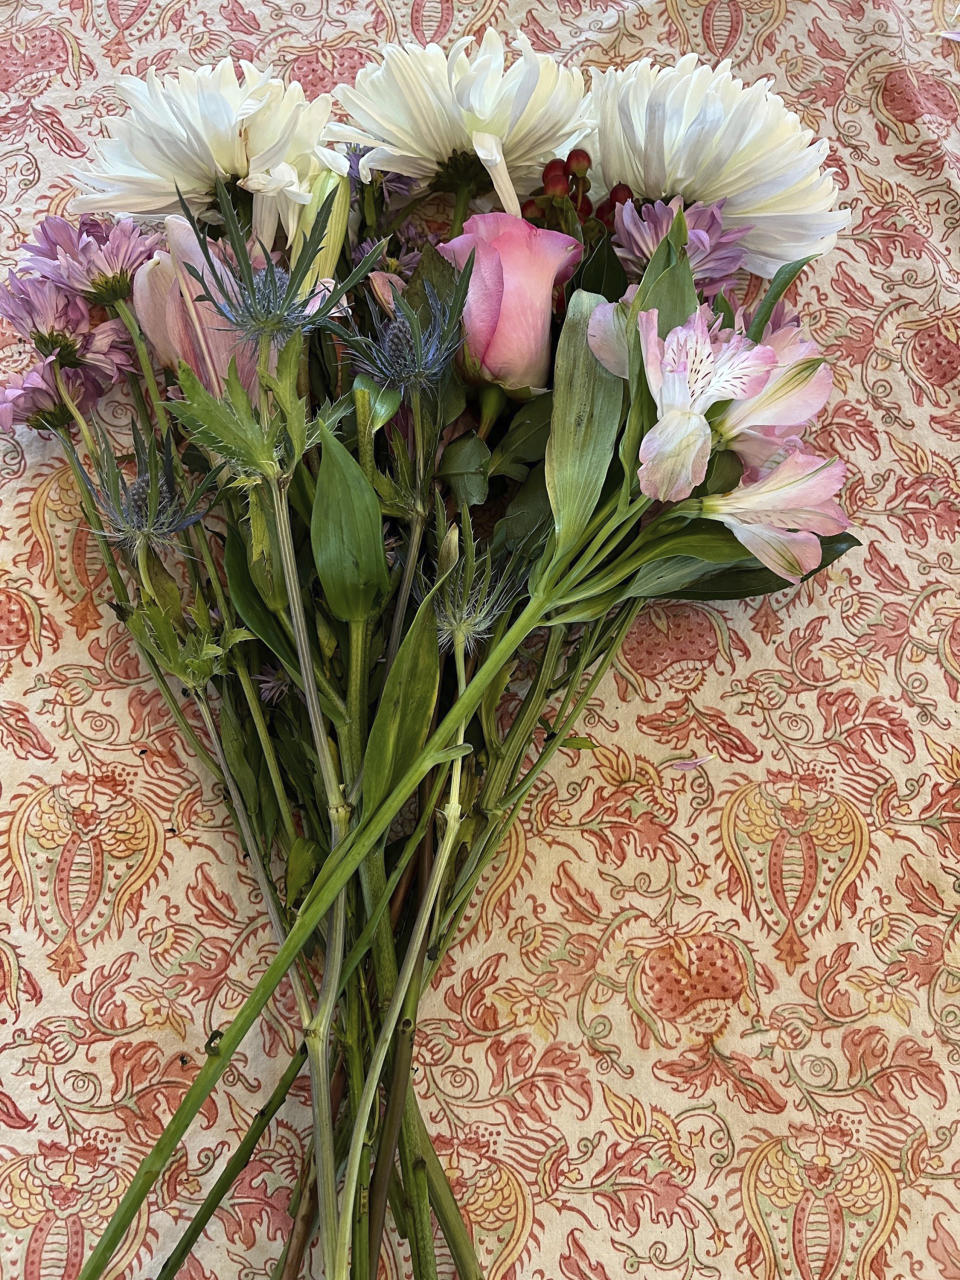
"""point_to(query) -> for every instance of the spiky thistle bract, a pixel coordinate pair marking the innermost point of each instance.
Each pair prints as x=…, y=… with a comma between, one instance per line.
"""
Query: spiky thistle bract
x=269, y=303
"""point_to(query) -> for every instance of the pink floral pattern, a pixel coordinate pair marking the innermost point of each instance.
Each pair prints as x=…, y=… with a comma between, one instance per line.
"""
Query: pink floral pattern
x=704, y=1019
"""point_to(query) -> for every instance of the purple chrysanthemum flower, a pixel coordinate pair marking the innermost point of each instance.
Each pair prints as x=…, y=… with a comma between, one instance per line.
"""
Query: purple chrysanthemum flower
x=52, y=318
x=98, y=259
x=33, y=400
x=396, y=187
x=715, y=253
x=58, y=323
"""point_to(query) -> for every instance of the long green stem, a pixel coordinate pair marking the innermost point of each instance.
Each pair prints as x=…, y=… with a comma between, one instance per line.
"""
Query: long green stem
x=321, y=742
x=333, y=877
x=253, y=850
x=266, y=745
x=417, y=526
x=146, y=368
x=232, y=1169
x=341, y=1269
x=447, y=1210
x=460, y=206
x=411, y=968
x=318, y=1044
x=492, y=838
x=79, y=419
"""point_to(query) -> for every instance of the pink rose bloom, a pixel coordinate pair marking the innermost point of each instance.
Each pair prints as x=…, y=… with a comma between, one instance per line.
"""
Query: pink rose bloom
x=506, y=319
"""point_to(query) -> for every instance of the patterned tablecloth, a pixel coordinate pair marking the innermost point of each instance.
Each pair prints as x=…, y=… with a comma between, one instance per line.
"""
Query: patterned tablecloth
x=703, y=1023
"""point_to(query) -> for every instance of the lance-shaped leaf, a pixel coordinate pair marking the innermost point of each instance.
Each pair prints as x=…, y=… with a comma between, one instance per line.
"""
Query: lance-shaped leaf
x=347, y=535
x=780, y=283
x=742, y=581
x=250, y=605
x=402, y=722
x=583, y=425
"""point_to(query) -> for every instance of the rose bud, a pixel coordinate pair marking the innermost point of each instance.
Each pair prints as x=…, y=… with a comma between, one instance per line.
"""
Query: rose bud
x=506, y=319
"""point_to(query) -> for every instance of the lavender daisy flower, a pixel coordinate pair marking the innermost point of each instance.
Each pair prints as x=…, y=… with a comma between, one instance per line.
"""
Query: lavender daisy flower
x=50, y=317
x=396, y=187
x=97, y=259
x=58, y=323
x=715, y=253
x=402, y=264
x=53, y=234
x=33, y=400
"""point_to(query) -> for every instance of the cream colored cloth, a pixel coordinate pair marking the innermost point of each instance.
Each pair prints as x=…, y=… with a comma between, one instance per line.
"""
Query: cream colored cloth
x=703, y=1022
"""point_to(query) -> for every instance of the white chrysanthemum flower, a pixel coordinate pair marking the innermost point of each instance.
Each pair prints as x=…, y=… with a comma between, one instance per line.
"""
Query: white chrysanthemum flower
x=433, y=116
x=186, y=130
x=695, y=131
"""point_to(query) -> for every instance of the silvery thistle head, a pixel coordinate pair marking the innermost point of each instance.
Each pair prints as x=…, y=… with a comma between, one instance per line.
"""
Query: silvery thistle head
x=147, y=512
x=268, y=303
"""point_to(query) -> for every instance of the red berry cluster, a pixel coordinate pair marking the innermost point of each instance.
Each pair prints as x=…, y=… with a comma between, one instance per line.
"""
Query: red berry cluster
x=562, y=180
x=619, y=194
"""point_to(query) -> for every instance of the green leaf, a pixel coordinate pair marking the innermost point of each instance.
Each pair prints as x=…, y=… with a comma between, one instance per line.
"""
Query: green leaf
x=303, y=862
x=527, y=514
x=250, y=606
x=755, y=580
x=723, y=473
x=780, y=283
x=702, y=539
x=667, y=576
x=375, y=405
x=525, y=439
x=673, y=295
x=402, y=722
x=225, y=427
x=603, y=272
x=433, y=269
x=723, y=308
x=237, y=751
x=347, y=536
x=269, y=806
x=583, y=427
x=579, y=743
x=464, y=466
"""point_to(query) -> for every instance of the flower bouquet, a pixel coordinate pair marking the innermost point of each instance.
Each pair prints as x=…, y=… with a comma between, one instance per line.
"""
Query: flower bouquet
x=400, y=421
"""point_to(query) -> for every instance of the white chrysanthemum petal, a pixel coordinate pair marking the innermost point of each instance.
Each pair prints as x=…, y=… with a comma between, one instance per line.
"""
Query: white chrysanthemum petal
x=696, y=132
x=185, y=131
x=419, y=107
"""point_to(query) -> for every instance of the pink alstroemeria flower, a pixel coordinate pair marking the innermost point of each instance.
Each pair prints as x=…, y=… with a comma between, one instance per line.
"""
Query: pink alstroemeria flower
x=179, y=326
x=778, y=516
x=695, y=366
x=797, y=388
x=506, y=319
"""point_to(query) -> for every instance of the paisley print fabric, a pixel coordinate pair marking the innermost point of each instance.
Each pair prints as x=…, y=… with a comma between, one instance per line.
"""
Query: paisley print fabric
x=704, y=1020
